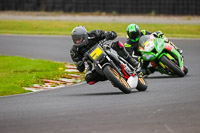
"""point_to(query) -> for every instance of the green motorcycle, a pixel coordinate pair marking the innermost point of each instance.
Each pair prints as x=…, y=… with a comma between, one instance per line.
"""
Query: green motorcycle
x=163, y=56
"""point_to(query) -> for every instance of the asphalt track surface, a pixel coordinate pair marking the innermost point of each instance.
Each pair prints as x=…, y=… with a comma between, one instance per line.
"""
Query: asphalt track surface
x=170, y=105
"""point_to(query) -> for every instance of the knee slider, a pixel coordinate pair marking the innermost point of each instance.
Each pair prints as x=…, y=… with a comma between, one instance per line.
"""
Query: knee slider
x=90, y=77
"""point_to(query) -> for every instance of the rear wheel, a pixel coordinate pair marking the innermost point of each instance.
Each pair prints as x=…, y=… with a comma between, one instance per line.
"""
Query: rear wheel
x=142, y=86
x=116, y=79
x=173, y=67
x=185, y=70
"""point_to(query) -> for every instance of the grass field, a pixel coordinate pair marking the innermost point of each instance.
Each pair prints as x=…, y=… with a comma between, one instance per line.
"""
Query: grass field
x=43, y=27
x=19, y=72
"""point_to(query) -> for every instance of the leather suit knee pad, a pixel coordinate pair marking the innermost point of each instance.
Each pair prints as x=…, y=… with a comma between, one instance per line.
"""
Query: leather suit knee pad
x=90, y=77
x=118, y=46
x=94, y=76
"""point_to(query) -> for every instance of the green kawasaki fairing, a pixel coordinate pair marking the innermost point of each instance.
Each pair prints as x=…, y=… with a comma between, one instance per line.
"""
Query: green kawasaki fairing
x=153, y=49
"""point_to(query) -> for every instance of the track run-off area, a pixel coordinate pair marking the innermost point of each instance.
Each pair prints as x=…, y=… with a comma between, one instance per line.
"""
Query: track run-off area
x=170, y=104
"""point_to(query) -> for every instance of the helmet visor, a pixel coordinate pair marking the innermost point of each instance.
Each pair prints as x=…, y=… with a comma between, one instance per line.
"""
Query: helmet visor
x=134, y=35
x=78, y=40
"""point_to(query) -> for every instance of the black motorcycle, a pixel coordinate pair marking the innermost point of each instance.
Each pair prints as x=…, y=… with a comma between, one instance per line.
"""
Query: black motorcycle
x=118, y=71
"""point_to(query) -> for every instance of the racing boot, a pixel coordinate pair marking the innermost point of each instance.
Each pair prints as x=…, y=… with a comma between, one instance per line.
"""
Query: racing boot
x=146, y=72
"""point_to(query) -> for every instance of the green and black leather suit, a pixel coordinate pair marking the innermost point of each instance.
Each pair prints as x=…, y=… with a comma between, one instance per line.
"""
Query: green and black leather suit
x=132, y=48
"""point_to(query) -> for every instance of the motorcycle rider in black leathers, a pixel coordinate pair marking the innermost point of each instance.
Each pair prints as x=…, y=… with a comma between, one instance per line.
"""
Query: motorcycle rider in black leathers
x=84, y=40
x=132, y=45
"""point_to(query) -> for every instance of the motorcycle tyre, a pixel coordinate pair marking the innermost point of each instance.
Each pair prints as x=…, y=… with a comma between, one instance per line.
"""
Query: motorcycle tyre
x=185, y=70
x=172, y=66
x=142, y=85
x=113, y=76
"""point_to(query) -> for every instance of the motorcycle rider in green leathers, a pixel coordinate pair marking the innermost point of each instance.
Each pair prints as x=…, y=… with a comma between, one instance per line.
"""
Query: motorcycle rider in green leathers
x=132, y=45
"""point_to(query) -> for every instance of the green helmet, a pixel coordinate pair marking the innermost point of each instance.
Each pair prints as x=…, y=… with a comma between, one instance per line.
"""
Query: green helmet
x=133, y=32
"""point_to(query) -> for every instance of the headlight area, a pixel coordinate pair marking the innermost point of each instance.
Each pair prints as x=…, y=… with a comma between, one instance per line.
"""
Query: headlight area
x=159, y=45
x=148, y=56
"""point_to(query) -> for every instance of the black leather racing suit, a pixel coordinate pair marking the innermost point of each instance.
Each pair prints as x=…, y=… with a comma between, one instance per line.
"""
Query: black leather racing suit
x=77, y=54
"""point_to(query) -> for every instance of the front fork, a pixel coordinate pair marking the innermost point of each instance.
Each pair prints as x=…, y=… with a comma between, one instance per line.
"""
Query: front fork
x=115, y=67
x=175, y=52
x=110, y=63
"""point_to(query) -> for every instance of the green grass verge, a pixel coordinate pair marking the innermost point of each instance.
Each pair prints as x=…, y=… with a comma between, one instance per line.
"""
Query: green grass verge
x=42, y=27
x=18, y=72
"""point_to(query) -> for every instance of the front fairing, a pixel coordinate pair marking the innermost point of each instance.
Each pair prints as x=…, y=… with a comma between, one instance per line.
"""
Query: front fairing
x=96, y=53
x=99, y=56
x=150, y=47
x=95, y=56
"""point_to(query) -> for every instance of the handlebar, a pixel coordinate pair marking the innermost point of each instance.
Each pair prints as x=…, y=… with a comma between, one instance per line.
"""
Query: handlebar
x=101, y=42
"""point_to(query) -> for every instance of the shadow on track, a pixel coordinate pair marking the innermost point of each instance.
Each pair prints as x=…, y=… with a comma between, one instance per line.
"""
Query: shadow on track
x=163, y=77
x=102, y=94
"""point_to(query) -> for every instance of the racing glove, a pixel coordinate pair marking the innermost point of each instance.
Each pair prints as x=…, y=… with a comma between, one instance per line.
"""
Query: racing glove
x=110, y=35
x=80, y=66
x=158, y=34
x=140, y=59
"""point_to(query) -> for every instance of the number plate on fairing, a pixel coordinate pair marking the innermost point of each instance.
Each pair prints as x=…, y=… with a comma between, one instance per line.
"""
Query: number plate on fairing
x=96, y=53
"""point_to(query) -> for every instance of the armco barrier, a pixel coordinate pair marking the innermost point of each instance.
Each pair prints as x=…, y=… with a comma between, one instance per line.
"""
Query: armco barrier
x=175, y=7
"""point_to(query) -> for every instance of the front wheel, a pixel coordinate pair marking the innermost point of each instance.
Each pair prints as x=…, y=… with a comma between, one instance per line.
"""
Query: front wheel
x=116, y=79
x=173, y=67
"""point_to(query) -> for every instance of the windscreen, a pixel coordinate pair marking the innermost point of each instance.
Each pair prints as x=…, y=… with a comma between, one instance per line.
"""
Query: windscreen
x=143, y=39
